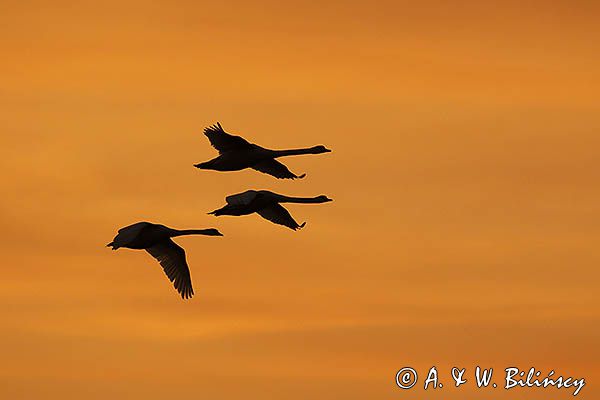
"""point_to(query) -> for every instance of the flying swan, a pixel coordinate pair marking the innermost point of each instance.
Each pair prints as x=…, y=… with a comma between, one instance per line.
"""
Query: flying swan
x=236, y=153
x=267, y=205
x=156, y=240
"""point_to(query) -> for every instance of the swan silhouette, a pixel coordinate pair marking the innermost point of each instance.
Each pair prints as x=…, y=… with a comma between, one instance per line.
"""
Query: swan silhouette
x=236, y=153
x=156, y=240
x=267, y=205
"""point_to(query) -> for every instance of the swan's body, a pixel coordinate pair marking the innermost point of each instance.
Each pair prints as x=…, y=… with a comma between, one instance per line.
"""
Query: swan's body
x=156, y=240
x=267, y=205
x=236, y=153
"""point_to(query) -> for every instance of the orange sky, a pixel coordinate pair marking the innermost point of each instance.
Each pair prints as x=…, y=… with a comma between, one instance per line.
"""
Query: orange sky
x=465, y=173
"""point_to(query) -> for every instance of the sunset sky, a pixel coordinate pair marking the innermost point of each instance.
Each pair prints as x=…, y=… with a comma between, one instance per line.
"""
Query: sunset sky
x=465, y=174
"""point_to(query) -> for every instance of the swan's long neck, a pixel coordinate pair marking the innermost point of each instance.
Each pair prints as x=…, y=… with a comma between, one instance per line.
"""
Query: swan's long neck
x=293, y=152
x=287, y=199
x=183, y=232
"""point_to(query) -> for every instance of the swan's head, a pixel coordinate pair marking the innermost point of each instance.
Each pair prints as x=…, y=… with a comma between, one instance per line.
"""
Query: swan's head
x=323, y=199
x=320, y=149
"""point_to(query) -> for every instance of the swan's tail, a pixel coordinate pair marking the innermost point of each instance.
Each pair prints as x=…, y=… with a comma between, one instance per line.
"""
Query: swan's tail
x=203, y=165
x=112, y=244
x=230, y=209
x=220, y=211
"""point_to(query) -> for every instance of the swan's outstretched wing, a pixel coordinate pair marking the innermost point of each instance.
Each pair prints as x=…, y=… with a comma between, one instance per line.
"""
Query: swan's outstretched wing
x=223, y=141
x=276, y=169
x=241, y=199
x=279, y=215
x=172, y=258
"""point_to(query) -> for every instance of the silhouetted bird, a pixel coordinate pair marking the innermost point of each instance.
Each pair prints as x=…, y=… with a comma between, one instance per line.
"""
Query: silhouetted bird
x=236, y=153
x=156, y=240
x=266, y=204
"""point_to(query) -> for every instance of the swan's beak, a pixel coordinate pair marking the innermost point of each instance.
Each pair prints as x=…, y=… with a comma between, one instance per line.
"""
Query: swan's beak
x=327, y=150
